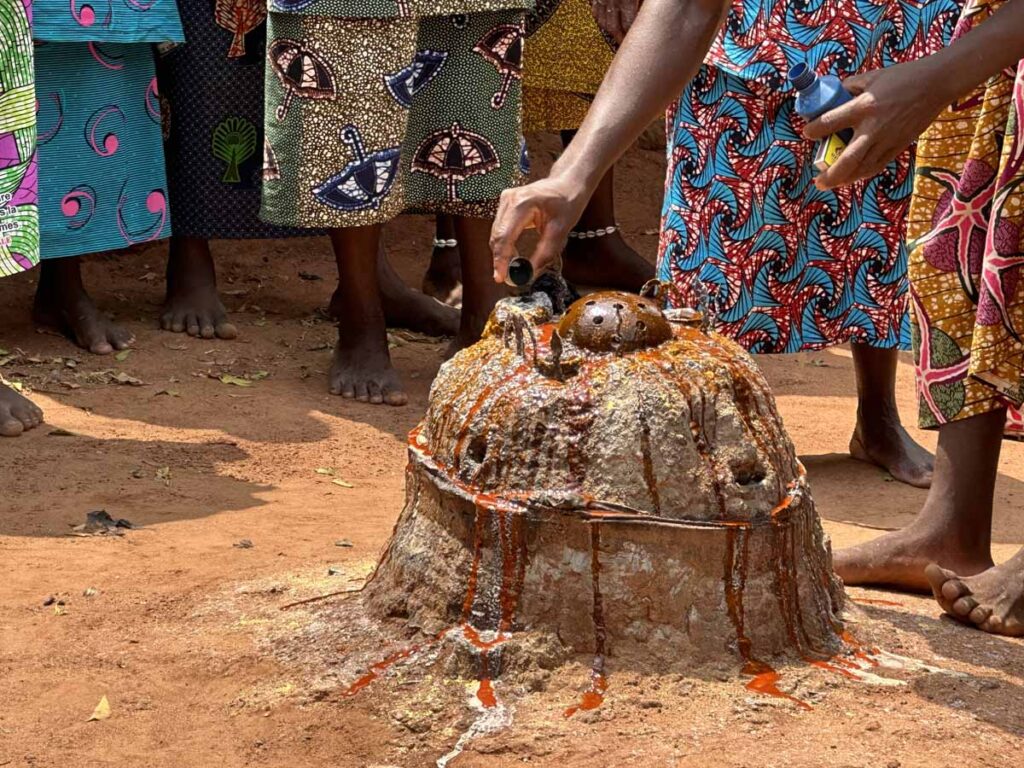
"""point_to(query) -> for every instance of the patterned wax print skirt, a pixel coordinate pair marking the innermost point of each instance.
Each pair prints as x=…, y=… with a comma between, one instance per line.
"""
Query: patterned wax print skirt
x=967, y=237
x=370, y=117
x=19, y=217
x=567, y=57
x=101, y=167
x=212, y=90
x=788, y=268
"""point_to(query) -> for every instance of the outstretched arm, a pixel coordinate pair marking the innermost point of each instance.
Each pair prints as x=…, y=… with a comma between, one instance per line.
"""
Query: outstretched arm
x=662, y=52
x=895, y=105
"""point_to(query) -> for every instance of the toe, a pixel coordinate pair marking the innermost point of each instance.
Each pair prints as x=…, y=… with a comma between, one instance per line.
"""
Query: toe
x=121, y=339
x=954, y=589
x=946, y=587
x=206, y=330
x=226, y=330
x=92, y=336
x=10, y=426
x=362, y=393
x=395, y=397
x=100, y=347
x=963, y=606
x=374, y=391
x=342, y=385
x=937, y=577
x=980, y=615
x=23, y=412
x=192, y=325
x=178, y=324
x=993, y=624
x=166, y=321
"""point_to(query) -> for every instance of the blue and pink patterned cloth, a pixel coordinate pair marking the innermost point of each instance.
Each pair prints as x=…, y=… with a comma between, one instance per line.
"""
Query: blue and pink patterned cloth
x=102, y=182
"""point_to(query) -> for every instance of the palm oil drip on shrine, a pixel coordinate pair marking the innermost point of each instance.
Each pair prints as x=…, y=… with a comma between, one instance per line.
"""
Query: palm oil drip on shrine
x=617, y=480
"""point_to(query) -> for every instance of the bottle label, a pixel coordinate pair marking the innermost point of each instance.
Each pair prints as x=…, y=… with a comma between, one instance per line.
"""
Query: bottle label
x=828, y=151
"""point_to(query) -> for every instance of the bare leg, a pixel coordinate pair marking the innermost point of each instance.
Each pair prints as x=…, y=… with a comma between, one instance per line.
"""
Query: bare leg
x=954, y=527
x=606, y=262
x=17, y=413
x=480, y=292
x=406, y=308
x=361, y=368
x=62, y=302
x=192, y=304
x=879, y=437
x=443, y=279
x=992, y=601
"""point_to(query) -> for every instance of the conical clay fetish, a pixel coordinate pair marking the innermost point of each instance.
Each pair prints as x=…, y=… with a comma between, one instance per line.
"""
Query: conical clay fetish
x=619, y=480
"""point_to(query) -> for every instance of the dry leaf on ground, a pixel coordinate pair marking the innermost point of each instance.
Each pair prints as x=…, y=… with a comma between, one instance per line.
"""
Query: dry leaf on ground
x=102, y=711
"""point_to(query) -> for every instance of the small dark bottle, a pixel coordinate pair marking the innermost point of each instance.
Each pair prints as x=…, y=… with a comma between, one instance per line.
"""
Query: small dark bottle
x=520, y=272
x=816, y=95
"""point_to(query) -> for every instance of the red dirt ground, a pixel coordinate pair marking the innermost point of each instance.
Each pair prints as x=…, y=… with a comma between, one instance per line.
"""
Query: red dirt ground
x=182, y=630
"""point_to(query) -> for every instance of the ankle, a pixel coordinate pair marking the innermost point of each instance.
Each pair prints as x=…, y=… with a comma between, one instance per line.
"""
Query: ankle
x=365, y=342
x=877, y=418
x=940, y=527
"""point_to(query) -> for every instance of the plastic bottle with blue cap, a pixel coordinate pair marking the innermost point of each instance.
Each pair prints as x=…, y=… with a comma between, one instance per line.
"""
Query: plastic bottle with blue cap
x=815, y=95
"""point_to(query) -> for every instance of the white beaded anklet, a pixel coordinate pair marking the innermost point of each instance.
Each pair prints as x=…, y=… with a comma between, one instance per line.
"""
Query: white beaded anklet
x=590, y=234
x=439, y=243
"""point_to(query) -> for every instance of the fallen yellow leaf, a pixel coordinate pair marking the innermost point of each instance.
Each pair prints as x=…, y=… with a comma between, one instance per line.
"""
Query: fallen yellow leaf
x=102, y=711
x=238, y=381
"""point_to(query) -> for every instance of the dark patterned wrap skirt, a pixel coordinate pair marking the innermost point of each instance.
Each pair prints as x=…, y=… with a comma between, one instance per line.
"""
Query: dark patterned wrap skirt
x=213, y=88
x=367, y=118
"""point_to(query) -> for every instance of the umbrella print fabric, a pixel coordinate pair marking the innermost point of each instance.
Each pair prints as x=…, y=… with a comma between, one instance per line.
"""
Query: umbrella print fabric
x=418, y=132
x=301, y=72
x=365, y=181
x=404, y=84
x=502, y=46
x=455, y=155
x=271, y=170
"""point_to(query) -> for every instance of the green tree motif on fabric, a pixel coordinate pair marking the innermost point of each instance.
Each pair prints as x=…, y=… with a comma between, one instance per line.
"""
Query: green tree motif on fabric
x=19, y=224
x=234, y=142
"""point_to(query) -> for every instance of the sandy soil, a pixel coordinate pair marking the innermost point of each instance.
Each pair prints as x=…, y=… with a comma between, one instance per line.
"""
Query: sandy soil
x=182, y=629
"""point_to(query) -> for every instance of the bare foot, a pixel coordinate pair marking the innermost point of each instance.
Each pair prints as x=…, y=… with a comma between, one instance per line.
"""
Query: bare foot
x=407, y=308
x=992, y=601
x=360, y=371
x=62, y=303
x=895, y=451
x=192, y=304
x=17, y=413
x=899, y=559
x=443, y=279
x=605, y=262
